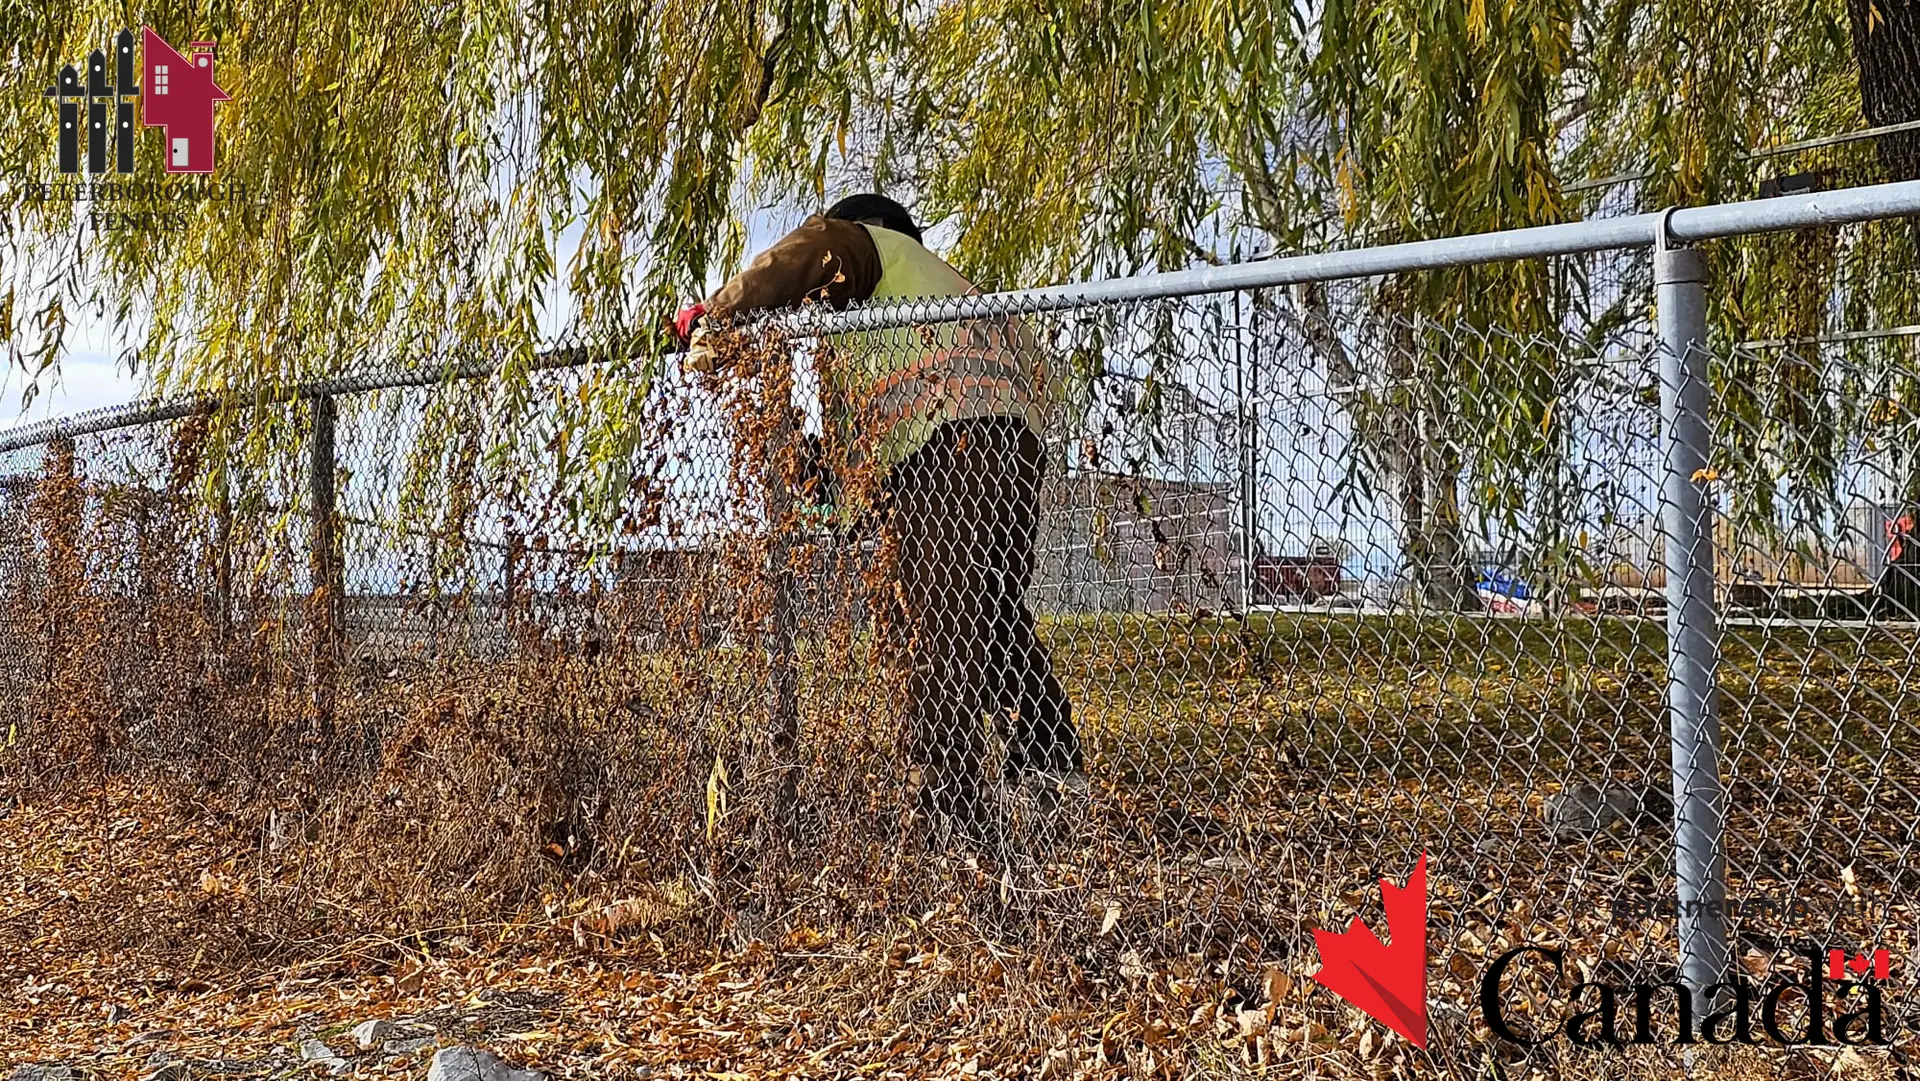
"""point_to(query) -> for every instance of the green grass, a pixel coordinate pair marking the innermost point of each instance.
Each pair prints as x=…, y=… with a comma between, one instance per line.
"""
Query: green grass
x=1467, y=724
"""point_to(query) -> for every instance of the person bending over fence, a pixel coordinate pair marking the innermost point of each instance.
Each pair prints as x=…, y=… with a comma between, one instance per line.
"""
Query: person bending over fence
x=947, y=419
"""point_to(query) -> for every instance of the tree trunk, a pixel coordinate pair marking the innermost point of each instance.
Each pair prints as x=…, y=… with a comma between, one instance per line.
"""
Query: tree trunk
x=326, y=600
x=782, y=741
x=1408, y=426
x=1886, y=45
x=1425, y=461
x=1404, y=459
x=1449, y=578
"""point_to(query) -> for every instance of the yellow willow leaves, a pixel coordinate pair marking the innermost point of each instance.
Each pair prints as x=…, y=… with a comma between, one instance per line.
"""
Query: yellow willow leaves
x=716, y=798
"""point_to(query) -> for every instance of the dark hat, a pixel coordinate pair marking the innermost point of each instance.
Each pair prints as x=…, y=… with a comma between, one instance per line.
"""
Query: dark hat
x=875, y=208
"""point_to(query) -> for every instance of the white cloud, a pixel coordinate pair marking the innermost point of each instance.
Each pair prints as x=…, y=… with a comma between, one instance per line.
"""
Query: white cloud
x=85, y=381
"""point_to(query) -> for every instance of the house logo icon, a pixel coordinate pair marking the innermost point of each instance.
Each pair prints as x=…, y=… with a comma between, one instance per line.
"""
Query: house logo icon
x=177, y=90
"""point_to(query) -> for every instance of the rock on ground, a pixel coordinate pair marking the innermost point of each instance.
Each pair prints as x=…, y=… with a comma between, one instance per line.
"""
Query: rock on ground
x=319, y=1054
x=473, y=1064
x=1582, y=810
x=316, y=1051
x=371, y=1034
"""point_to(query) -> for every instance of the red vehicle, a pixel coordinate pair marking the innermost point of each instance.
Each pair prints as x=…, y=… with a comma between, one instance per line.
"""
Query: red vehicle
x=1295, y=578
x=1897, y=594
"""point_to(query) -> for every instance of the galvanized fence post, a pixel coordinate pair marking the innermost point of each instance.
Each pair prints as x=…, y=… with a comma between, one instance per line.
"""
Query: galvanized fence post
x=1693, y=633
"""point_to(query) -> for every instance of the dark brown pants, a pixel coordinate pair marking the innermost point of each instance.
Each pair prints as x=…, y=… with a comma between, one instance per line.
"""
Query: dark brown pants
x=963, y=511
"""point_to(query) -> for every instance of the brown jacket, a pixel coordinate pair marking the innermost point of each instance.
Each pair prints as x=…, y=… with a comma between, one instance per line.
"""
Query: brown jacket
x=825, y=261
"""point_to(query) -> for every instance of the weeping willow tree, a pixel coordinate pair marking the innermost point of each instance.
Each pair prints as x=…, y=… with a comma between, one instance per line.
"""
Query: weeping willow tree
x=1678, y=94
x=406, y=174
x=1082, y=137
x=420, y=180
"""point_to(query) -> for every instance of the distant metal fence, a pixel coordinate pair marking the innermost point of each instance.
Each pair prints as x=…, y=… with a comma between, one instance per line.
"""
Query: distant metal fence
x=1335, y=567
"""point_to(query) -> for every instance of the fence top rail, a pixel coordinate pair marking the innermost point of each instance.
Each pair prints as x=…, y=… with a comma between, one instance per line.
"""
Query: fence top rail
x=154, y=410
x=1832, y=140
x=1686, y=225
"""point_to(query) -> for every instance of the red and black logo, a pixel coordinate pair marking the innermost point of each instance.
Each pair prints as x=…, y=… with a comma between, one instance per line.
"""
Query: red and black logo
x=178, y=93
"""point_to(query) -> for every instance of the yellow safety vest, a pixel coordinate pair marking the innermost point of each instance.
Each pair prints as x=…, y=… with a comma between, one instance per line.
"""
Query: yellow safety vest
x=889, y=389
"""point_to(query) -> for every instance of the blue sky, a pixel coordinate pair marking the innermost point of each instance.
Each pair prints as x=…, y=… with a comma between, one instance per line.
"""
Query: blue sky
x=88, y=378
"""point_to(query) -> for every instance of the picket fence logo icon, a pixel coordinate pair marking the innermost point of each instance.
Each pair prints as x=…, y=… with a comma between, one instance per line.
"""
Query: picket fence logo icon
x=1386, y=980
x=177, y=91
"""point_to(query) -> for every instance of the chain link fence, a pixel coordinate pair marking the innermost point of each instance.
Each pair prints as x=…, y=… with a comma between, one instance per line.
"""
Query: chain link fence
x=1487, y=549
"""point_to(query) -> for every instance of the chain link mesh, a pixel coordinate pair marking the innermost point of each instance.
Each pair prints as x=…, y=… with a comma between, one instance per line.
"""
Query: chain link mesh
x=1293, y=587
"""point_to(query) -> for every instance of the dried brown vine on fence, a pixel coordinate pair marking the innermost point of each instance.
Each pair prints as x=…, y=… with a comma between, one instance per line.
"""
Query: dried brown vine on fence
x=725, y=731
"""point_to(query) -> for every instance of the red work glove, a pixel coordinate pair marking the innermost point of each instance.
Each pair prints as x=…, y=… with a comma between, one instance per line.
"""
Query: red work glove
x=689, y=326
x=684, y=322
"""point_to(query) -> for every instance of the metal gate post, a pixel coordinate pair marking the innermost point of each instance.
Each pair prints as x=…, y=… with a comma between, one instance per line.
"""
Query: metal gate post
x=1693, y=632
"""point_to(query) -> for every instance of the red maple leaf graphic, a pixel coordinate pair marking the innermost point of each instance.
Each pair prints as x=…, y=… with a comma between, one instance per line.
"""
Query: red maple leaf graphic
x=1386, y=981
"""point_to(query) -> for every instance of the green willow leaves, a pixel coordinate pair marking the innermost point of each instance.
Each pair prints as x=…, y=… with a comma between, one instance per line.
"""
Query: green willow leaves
x=423, y=181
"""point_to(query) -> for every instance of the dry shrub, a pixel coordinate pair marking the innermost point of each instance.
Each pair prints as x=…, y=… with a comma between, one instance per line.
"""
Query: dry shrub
x=723, y=738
